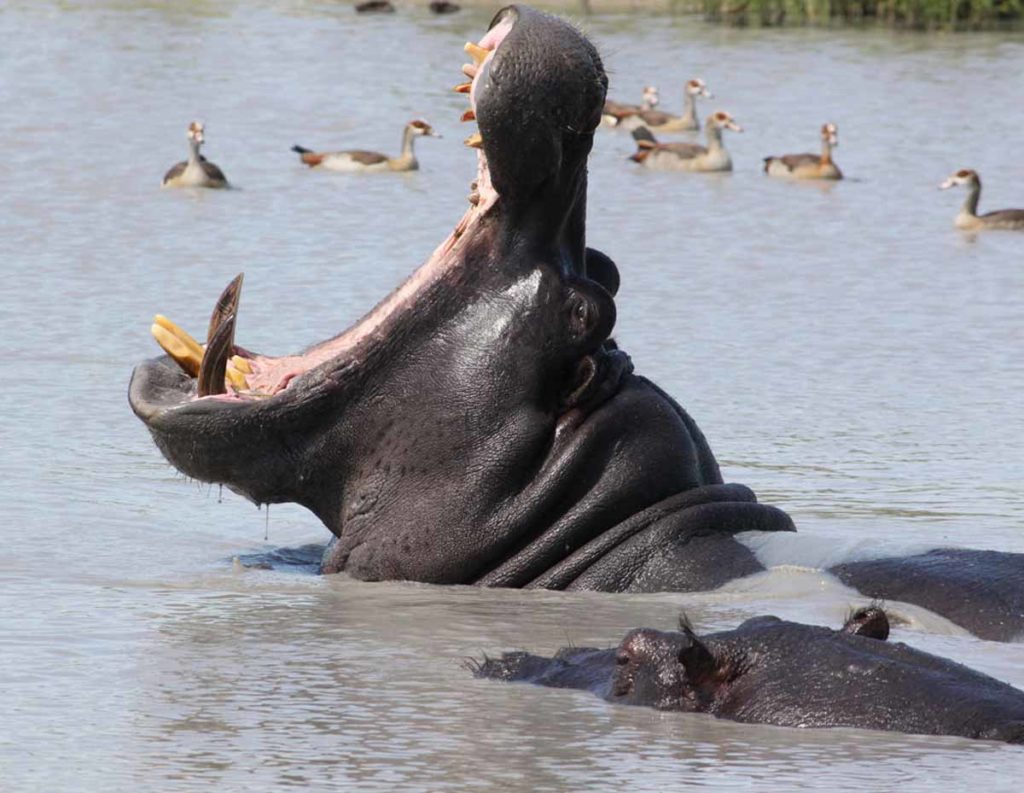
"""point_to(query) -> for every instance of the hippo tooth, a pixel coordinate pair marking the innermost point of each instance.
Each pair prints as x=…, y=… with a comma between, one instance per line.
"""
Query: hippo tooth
x=185, y=350
x=476, y=52
x=463, y=88
x=469, y=70
x=180, y=332
x=235, y=378
x=226, y=305
x=474, y=198
x=215, y=362
x=474, y=141
x=241, y=364
x=469, y=115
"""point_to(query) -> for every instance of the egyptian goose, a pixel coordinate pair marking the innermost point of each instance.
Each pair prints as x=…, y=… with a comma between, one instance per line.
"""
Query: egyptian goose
x=968, y=217
x=196, y=171
x=687, y=156
x=808, y=166
x=358, y=160
x=661, y=122
x=614, y=112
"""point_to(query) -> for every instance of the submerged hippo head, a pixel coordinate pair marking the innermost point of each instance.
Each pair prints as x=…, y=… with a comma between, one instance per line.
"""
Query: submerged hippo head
x=770, y=671
x=477, y=426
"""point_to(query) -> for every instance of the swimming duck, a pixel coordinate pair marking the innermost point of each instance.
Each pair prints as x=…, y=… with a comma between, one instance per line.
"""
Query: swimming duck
x=357, y=160
x=968, y=217
x=808, y=166
x=687, y=156
x=196, y=171
x=660, y=121
x=614, y=112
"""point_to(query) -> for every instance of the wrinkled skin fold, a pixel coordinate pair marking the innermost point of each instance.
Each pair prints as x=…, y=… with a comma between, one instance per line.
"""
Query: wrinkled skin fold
x=770, y=671
x=479, y=425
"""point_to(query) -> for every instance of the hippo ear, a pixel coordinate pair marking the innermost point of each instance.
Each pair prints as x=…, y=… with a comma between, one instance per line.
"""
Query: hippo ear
x=700, y=665
x=870, y=621
x=602, y=269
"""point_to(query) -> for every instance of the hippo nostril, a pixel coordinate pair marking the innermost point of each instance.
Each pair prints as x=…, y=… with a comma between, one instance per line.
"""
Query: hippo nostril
x=621, y=659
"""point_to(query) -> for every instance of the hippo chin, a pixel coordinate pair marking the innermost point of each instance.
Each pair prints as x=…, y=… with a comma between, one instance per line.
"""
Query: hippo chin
x=478, y=425
x=770, y=671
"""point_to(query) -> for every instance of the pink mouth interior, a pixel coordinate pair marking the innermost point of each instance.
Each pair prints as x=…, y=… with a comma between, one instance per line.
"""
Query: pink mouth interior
x=272, y=375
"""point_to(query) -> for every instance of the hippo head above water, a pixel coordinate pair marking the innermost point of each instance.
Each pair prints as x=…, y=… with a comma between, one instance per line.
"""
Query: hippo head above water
x=478, y=425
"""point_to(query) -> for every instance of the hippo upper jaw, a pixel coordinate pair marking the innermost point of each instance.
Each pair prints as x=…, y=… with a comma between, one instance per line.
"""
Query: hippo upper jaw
x=503, y=306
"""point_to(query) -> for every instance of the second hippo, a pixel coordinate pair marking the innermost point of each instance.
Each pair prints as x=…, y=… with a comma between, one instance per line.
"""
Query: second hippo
x=771, y=671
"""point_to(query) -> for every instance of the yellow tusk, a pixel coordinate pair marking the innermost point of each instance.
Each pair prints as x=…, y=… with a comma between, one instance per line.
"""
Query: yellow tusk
x=181, y=333
x=469, y=115
x=181, y=352
x=476, y=52
x=235, y=378
x=475, y=141
x=463, y=88
x=241, y=364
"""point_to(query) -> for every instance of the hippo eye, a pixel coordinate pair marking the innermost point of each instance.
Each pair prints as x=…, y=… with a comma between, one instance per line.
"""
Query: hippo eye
x=621, y=659
x=579, y=315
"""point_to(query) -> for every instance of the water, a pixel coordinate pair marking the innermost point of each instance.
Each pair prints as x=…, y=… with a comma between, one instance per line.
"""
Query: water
x=848, y=354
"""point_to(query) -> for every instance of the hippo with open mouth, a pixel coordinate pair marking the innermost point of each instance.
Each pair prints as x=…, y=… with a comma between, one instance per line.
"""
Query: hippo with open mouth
x=771, y=671
x=479, y=425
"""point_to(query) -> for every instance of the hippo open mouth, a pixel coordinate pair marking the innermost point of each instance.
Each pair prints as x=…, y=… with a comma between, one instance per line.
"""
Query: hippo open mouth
x=478, y=425
x=501, y=85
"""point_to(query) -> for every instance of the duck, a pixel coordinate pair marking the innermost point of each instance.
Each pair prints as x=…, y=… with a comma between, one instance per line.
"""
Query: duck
x=358, y=160
x=196, y=171
x=444, y=7
x=661, y=122
x=968, y=218
x=614, y=112
x=808, y=166
x=687, y=156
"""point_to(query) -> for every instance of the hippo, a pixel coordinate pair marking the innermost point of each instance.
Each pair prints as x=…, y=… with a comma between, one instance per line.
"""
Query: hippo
x=480, y=425
x=771, y=671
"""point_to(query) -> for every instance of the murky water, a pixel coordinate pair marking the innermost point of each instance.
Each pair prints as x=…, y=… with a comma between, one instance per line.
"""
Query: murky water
x=848, y=354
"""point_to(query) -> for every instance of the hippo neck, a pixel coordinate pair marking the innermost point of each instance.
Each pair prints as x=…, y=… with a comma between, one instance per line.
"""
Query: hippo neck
x=449, y=514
